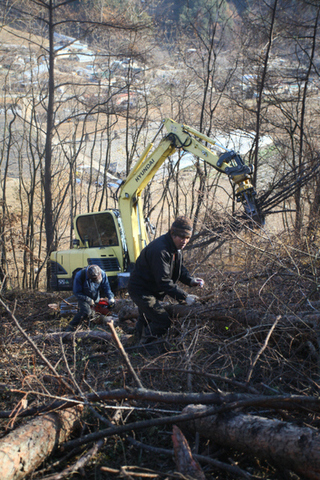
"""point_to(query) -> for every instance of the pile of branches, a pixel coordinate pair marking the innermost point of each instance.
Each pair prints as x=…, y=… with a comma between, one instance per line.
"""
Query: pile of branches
x=232, y=393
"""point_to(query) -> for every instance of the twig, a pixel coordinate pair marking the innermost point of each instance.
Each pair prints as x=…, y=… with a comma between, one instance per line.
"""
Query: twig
x=262, y=349
x=197, y=371
x=141, y=473
x=206, y=298
x=78, y=465
x=55, y=465
x=233, y=469
x=123, y=353
x=34, y=346
x=69, y=304
x=127, y=471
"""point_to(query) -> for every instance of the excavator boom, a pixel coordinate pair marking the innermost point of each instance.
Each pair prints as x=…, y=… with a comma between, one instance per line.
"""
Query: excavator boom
x=183, y=137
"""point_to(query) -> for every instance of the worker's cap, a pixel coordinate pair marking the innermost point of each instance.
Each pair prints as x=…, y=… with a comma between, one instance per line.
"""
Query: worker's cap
x=94, y=273
x=181, y=227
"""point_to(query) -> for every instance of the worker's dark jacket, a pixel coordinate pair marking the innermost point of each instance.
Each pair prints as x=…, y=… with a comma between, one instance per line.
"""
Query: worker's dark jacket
x=85, y=289
x=158, y=268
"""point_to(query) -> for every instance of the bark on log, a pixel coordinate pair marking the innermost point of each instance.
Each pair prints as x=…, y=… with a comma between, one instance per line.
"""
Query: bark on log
x=25, y=448
x=214, y=313
x=69, y=336
x=130, y=311
x=292, y=447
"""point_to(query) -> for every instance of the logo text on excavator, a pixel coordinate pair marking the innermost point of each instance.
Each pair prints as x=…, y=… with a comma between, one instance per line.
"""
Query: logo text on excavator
x=144, y=170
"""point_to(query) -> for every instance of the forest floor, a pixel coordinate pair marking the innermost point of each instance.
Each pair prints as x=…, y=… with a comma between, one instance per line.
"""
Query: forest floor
x=255, y=330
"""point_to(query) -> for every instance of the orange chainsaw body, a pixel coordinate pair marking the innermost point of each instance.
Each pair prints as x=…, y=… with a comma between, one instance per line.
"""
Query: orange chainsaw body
x=102, y=307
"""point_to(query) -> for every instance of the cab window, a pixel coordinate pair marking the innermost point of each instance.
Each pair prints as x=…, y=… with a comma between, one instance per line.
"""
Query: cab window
x=98, y=230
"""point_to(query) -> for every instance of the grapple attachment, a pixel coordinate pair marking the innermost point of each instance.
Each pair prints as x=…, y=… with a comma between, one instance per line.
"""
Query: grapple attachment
x=248, y=200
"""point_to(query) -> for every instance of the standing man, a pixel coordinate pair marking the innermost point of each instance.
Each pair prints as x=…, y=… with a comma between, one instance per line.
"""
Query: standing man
x=156, y=272
x=87, y=285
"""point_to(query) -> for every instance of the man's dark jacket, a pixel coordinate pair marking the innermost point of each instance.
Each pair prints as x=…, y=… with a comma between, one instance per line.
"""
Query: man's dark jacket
x=158, y=268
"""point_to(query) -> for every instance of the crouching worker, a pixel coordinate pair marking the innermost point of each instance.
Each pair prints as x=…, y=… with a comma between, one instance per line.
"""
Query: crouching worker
x=88, y=284
x=157, y=269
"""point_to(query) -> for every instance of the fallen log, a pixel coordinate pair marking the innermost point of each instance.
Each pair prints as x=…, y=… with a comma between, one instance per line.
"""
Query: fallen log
x=130, y=311
x=282, y=443
x=70, y=336
x=296, y=448
x=217, y=313
x=24, y=449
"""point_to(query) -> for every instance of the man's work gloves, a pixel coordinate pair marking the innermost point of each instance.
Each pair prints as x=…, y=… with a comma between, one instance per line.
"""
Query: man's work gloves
x=191, y=299
x=197, y=282
x=112, y=302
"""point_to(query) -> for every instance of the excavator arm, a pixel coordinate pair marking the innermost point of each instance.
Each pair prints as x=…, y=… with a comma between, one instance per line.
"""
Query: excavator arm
x=183, y=137
x=228, y=162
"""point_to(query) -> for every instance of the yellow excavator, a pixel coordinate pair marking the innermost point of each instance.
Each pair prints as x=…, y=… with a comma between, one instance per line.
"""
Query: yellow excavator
x=113, y=239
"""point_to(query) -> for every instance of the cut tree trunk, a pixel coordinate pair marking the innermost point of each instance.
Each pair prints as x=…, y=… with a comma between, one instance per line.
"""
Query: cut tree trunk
x=24, y=449
x=69, y=336
x=94, y=335
x=284, y=444
x=129, y=311
x=216, y=313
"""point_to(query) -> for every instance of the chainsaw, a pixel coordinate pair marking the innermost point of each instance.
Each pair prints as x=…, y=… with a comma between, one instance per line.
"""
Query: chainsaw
x=102, y=307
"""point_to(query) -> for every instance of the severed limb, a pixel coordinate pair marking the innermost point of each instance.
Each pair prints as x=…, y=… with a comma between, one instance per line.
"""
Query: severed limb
x=82, y=462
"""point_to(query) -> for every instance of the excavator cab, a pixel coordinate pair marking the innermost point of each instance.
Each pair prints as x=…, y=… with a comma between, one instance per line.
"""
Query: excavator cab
x=100, y=240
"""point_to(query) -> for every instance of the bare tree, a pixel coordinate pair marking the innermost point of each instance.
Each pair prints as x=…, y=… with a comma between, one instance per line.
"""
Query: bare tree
x=203, y=49
x=50, y=18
